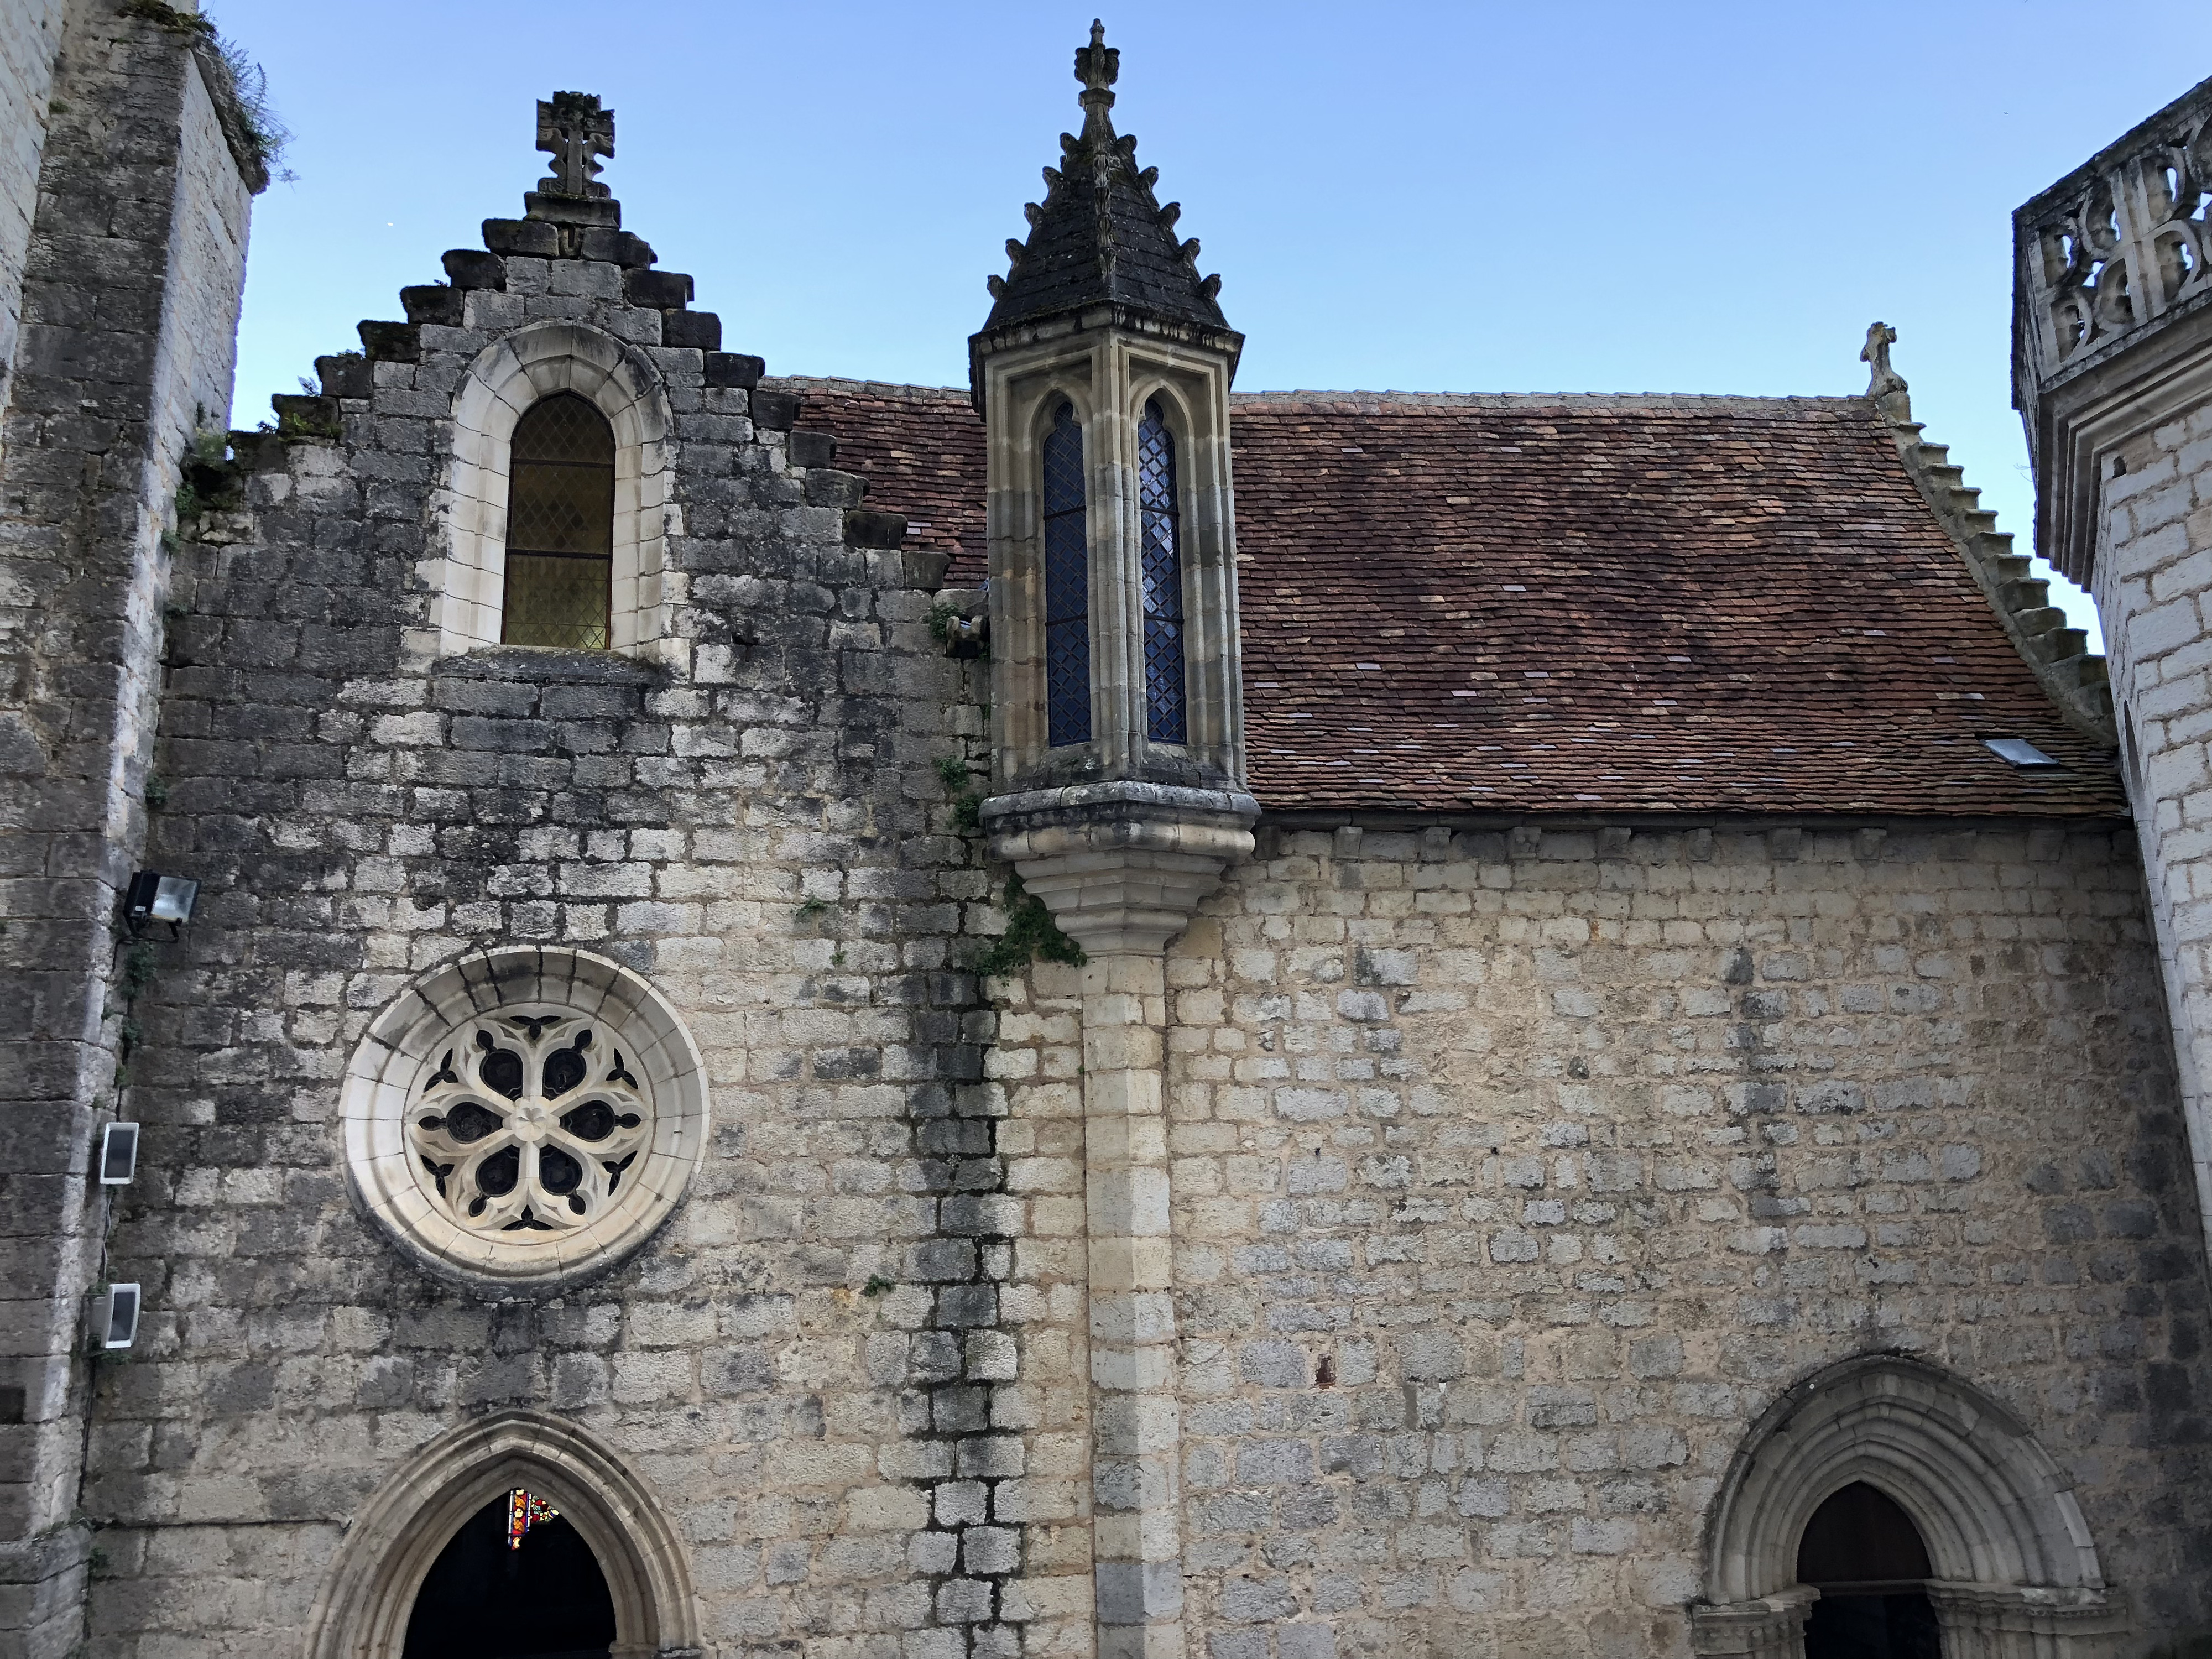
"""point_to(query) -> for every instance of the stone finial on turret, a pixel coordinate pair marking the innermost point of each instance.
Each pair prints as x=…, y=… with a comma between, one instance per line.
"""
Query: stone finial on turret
x=1884, y=383
x=1097, y=66
x=573, y=129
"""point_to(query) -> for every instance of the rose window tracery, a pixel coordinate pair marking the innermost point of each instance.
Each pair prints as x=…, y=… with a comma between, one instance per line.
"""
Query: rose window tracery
x=530, y=1122
x=524, y=1115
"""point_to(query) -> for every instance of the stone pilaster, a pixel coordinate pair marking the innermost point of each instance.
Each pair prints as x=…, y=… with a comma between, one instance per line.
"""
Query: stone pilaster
x=1122, y=866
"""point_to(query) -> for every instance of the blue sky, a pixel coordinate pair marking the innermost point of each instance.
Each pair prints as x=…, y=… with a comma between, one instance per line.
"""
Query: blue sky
x=1474, y=198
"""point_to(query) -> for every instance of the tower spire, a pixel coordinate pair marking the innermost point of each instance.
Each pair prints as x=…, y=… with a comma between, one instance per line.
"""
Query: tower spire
x=1101, y=234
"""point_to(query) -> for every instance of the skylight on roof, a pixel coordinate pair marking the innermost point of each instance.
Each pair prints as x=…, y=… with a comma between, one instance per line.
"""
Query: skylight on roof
x=2018, y=750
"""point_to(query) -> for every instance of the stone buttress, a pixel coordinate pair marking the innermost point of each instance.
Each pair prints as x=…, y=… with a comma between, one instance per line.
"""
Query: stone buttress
x=131, y=270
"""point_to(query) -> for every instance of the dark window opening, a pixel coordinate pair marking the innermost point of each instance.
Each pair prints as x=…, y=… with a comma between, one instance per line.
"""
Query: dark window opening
x=1067, y=586
x=513, y=1583
x=560, y=527
x=1167, y=711
x=1861, y=1552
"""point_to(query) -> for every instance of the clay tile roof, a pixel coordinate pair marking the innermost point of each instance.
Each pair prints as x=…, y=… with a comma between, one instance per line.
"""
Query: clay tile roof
x=1573, y=604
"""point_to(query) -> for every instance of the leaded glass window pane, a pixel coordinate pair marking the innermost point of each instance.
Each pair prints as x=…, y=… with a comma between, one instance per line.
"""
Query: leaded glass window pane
x=1166, y=705
x=1067, y=586
x=560, y=527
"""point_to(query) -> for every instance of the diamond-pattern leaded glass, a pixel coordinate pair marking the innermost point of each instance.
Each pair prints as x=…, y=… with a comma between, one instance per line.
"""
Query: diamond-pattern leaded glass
x=560, y=527
x=1067, y=586
x=1167, y=711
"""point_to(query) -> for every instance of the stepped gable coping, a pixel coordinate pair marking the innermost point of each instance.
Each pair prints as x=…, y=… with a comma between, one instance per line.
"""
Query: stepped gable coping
x=573, y=216
x=570, y=215
x=2074, y=677
x=899, y=437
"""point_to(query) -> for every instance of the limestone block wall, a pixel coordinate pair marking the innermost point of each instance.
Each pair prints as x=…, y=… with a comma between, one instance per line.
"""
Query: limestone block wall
x=2153, y=590
x=843, y=1367
x=1517, y=1173
x=30, y=36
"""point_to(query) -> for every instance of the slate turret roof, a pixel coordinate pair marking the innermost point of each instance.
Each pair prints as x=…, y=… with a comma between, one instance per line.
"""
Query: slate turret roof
x=1561, y=604
x=1101, y=235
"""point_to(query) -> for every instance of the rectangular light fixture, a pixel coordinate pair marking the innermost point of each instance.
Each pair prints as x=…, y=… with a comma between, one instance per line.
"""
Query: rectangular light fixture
x=2018, y=750
x=115, y=1317
x=153, y=897
x=118, y=1154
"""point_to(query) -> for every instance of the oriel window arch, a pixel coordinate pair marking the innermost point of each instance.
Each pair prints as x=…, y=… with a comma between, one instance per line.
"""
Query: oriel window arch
x=560, y=527
x=1067, y=584
x=1167, y=704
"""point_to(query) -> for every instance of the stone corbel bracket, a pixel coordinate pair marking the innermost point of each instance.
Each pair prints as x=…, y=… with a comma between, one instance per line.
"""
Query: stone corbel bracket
x=1121, y=866
x=2071, y=675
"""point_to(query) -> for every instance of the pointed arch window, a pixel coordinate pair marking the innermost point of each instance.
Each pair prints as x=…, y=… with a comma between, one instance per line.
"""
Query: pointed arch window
x=560, y=527
x=1167, y=716
x=1067, y=584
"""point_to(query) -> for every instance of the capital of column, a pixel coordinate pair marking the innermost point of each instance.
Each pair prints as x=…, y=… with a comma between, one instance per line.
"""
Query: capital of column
x=1121, y=866
x=1770, y=1628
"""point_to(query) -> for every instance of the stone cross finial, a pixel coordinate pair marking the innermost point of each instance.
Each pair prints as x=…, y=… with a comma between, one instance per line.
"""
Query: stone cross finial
x=1097, y=65
x=572, y=128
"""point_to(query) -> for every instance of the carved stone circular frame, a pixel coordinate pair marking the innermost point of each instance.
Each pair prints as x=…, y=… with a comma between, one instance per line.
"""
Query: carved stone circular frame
x=403, y=1053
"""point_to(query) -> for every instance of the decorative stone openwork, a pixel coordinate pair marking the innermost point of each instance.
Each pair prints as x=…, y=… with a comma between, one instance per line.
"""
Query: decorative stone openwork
x=362, y=1609
x=507, y=377
x=2016, y=1575
x=524, y=1115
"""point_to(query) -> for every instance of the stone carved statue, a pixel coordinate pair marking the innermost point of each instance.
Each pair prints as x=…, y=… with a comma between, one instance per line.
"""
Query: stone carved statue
x=1876, y=354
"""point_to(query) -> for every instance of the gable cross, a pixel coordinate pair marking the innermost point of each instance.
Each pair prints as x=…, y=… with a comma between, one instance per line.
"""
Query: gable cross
x=572, y=128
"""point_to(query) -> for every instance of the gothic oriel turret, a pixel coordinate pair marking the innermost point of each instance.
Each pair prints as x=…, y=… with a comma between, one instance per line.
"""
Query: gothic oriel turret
x=1102, y=375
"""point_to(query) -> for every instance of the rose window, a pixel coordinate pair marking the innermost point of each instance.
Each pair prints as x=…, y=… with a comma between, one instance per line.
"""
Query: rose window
x=524, y=1116
x=530, y=1122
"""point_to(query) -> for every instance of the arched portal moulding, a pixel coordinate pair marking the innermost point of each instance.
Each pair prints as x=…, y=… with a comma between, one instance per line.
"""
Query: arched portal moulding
x=468, y=575
x=2017, y=1574
x=362, y=1610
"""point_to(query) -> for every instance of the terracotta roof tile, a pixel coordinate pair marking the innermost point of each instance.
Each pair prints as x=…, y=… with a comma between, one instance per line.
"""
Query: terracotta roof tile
x=1580, y=604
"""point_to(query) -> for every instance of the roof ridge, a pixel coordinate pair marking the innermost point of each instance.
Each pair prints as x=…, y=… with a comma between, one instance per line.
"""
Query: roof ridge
x=1702, y=401
x=878, y=388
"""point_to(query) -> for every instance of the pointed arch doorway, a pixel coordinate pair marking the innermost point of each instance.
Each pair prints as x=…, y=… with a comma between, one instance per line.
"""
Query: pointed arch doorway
x=1861, y=1552
x=517, y=1581
x=1944, y=1507
x=411, y=1545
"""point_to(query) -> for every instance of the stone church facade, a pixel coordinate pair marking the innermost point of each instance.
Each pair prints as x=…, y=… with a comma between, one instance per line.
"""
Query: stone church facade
x=1088, y=1015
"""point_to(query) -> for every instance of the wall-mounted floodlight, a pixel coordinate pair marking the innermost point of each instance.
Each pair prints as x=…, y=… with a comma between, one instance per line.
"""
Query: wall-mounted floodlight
x=153, y=897
x=118, y=1154
x=115, y=1317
